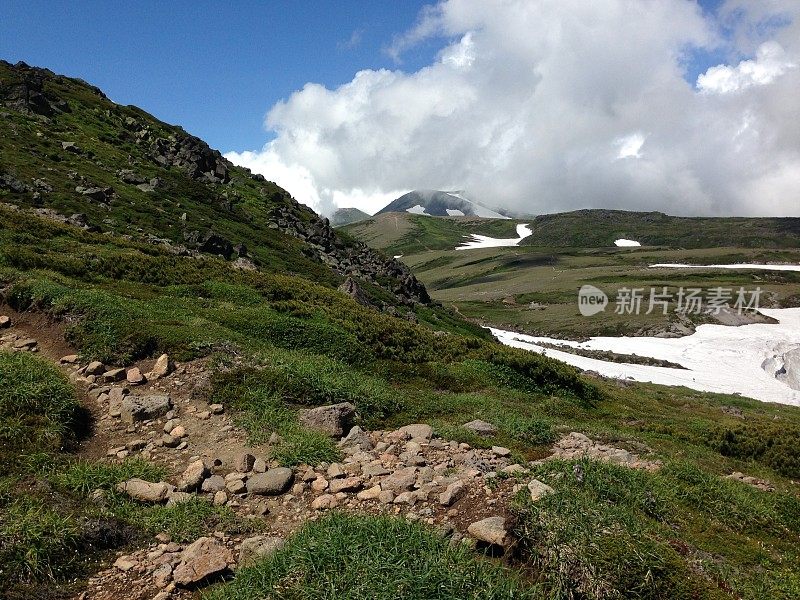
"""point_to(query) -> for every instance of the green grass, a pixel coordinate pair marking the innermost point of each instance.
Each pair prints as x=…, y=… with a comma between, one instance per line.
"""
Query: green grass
x=38, y=407
x=678, y=533
x=348, y=557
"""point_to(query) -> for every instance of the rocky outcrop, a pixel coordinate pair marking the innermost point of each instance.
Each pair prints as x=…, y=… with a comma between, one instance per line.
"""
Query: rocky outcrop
x=192, y=155
x=27, y=93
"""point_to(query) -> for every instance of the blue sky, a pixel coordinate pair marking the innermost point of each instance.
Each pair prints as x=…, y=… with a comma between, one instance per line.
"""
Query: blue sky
x=212, y=67
x=216, y=67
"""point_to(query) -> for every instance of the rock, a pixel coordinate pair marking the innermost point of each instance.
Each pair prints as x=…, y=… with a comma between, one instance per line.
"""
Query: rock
x=115, y=397
x=482, y=428
x=400, y=480
x=349, y=484
x=125, y=563
x=333, y=419
x=5, y=321
x=515, y=469
x=216, y=409
x=215, y=483
x=236, y=486
x=169, y=441
x=220, y=498
x=202, y=559
x=134, y=376
x=272, y=483
x=370, y=494
x=501, y=451
x=113, y=375
x=538, y=489
x=335, y=470
x=357, y=438
x=260, y=465
x=352, y=289
x=258, y=547
x=386, y=497
x=144, y=491
x=69, y=359
x=244, y=463
x=178, y=432
x=143, y=408
x=320, y=484
x=70, y=147
x=453, y=493
x=324, y=502
x=490, y=530
x=162, y=575
x=163, y=367
x=417, y=431
x=135, y=445
x=25, y=344
x=193, y=476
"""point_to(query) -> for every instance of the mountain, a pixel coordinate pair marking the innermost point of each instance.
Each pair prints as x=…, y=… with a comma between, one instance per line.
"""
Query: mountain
x=439, y=204
x=346, y=216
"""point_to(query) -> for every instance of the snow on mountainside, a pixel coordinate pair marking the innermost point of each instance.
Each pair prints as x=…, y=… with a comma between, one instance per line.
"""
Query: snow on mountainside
x=436, y=203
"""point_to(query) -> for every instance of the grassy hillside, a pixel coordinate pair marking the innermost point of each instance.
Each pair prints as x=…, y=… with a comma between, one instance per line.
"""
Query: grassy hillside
x=281, y=338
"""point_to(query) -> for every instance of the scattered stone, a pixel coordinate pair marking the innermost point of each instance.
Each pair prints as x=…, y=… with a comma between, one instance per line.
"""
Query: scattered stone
x=357, y=438
x=144, y=491
x=143, y=408
x=319, y=485
x=169, y=441
x=349, y=484
x=245, y=462
x=417, y=431
x=272, y=483
x=113, y=375
x=193, y=476
x=95, y=368
x=260, y=465
x=324, y=502
x=760, y=484
x=453, y=493
x=400, y=480
x=216, y=409
x=501, y=451
x=215, y=483
x=25, y=344
x=220, y=498
x=125, y=563
x=236, y=486
x=490, y=530
x=5, y=321
x=371, y=494
x=538, y=489
x=258, y=547
x=332, y=420
x=178, y=432
x=515, y=469
x=202, y=559
x=482, y=428
x=163, y=367
x=69, y=359
x=178, y=498
x=134, y=376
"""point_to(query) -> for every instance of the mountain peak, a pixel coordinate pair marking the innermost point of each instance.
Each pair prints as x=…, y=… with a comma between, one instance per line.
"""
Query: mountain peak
x=438, y=203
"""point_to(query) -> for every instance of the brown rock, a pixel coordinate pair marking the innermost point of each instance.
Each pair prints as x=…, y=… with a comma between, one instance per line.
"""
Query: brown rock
x=134, y=376
x=333, y=420
x=201, y=560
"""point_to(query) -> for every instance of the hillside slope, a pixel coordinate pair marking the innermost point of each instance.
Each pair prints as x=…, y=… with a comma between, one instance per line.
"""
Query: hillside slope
x=67, y=152
x=435, y=203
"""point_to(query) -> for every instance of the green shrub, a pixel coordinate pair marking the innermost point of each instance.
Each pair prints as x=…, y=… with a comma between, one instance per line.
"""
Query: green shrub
x=774, y=444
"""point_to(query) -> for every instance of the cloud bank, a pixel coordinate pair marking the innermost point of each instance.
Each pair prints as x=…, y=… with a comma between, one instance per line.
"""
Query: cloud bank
x=549, y=105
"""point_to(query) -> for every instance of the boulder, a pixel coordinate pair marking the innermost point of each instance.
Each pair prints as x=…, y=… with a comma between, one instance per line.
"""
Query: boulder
x=144, y=491
x=113, y=375
x=490, y=530
x=143, y=408
x=272, y=483
x=333, y=419
x=258, y=547
x=202, y=559
x=95, y=368
x=482, y=428
x=215, y=483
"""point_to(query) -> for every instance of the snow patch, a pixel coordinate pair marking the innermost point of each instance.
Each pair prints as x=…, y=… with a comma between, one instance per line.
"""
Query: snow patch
x=717, y=358
x=484, y=241
x=623, y=243
x=454, y=212
x=737, y=266
x=418, y=209
x=480, y=211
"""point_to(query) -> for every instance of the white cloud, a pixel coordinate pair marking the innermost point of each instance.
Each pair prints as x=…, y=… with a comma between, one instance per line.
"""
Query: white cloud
x=770, y=63
x=531, y=104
